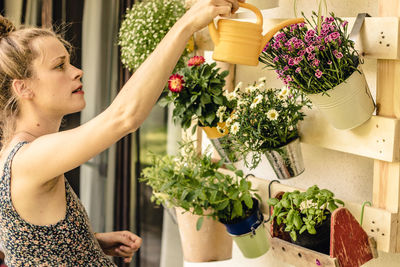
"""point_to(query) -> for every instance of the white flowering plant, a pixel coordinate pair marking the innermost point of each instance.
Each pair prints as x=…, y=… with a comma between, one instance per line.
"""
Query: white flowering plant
x=265, y=119
x=144, y=26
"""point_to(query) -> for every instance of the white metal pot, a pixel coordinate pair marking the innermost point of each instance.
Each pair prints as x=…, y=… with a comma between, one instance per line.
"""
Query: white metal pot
x=348, y=105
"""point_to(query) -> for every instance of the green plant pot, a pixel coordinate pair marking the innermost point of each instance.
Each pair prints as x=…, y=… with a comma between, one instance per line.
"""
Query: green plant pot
x=253, y=244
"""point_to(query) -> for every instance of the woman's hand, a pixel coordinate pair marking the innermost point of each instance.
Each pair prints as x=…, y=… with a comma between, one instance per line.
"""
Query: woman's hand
x=119, y=244
x=204, y=11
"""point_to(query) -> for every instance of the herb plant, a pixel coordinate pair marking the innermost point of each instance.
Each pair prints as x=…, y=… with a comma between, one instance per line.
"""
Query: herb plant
x=194, y=183
x=301, y=211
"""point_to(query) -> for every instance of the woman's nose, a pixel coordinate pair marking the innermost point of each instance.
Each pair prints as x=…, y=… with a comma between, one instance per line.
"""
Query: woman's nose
x=78, y=73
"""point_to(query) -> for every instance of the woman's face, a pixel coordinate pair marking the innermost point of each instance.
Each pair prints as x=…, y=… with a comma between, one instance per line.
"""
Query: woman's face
x=55, y=83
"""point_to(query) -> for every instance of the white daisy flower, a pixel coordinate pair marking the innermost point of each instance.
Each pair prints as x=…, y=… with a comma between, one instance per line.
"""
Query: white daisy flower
x=272, y=115
x=235, y=128
x=290, y=128
x=261, y=86
x=256, y=101
x=231, y=96
x=284, y=104
x=281, y=97
x=285, y=91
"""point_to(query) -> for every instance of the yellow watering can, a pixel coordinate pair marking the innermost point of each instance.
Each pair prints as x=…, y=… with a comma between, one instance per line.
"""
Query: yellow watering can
x=239, y=42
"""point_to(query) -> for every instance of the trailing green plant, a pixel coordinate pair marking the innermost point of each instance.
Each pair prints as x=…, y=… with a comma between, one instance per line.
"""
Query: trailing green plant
x=264, y=119
x=301, y=211
x=197, y=93
x=194, y=183
x=312, y=57
x=143, y=28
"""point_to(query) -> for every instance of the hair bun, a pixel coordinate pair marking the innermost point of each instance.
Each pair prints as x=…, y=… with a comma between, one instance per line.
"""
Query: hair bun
x=6, y=27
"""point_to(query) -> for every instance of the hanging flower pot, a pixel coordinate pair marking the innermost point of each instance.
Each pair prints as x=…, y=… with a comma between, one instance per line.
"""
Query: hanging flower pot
x=249, y=234
x=221, y=141
x=210, y=243
x=347, y=105
x=287, y=161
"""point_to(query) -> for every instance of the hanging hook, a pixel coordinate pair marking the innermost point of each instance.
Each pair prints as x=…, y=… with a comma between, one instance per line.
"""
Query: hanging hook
x=249, y=174
x=269, y=196
x=362, y=211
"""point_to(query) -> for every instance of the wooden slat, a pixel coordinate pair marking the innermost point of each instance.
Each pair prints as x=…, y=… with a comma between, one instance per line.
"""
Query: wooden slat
x=378, y=138
x=386, y=186
x=299, y=256
x=378, y=223
x=379, y=36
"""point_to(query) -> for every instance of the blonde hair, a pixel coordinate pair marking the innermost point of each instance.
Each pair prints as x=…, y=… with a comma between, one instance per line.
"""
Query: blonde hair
x=16, y=57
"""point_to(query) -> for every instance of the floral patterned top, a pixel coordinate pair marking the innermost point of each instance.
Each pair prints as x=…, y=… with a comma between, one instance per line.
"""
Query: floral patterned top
x=69, y=242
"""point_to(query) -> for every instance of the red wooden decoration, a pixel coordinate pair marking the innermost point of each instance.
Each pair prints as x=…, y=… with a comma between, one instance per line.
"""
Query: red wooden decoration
x=349, y=242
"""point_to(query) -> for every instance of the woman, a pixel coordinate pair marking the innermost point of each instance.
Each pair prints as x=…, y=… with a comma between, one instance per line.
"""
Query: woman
x=42, y=222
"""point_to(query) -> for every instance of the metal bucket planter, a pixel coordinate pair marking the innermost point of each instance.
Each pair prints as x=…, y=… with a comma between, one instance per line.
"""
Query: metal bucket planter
x=210, y=243
x=348, y=105
x=287, y=161
x=250, y=235
x=222, y=143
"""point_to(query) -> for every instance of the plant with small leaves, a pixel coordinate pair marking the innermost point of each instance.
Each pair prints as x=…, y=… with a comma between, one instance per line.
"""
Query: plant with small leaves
x=194, y=183
x=301, y=211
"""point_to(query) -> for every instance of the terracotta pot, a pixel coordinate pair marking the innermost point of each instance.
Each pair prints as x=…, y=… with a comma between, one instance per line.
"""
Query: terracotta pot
x=210, y=243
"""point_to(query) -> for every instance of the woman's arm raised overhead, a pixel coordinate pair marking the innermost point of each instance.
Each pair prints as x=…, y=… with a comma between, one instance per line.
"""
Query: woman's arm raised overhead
x=53, y=154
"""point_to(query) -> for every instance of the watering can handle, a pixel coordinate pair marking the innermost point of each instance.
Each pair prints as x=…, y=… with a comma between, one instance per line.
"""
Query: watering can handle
x=271, y=33
x=214, y=32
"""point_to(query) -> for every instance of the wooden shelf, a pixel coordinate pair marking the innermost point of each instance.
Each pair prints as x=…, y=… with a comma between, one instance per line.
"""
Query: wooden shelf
x=378, y=138
x=379, y=36
x=299, y=256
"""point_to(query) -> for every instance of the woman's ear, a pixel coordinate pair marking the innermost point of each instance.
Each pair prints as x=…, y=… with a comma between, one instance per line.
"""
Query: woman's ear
x=21, y=89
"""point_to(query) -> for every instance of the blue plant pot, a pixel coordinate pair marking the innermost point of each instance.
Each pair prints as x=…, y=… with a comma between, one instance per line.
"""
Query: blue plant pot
x=249, y=224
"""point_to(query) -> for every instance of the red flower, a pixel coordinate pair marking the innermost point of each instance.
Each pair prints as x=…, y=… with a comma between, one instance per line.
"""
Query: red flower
x=175, y=83
x=196, y=61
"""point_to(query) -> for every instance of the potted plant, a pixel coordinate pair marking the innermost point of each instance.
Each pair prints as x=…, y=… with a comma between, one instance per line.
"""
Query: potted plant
x=306, y=216
x=176, y=183
x=194, y=183
x=319, y=59
x=143, y=28
x=197, y=93
x=265, y=122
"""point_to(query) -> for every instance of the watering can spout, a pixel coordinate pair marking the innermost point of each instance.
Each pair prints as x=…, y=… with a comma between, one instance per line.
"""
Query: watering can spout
x=268, y=36
x=213, y=33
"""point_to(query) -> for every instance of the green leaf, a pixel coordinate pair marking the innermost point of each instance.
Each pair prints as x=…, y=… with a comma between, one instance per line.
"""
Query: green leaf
x=223, y=204
x=272, y=201
x=248, y=200
x=237, y=207
x=205, y=99
x=199, y=223
x=210, y=118
x=193, y=98
x=239, y=173
x=293, y=235
x=230, y=167
x=163, y=101
x=219, y=100
x=224, y=73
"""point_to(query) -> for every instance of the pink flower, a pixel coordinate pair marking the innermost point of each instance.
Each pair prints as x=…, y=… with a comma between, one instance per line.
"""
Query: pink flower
x=316, y=63
x=302, y=52
x=337, y=54
x=329, y=62
x=276, y=59
x=311, y=57
x=298, y=70
x=302, y=25
x=344, y=24
x=329, y=20
x=334, y=35
x=297, y=60
x=291, y=62
x=318, y=73
x=196, y=61
x=288, y=78
x=285, y=68
x=175, y=83
x=310, y=49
